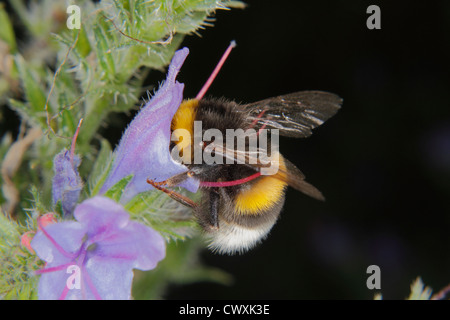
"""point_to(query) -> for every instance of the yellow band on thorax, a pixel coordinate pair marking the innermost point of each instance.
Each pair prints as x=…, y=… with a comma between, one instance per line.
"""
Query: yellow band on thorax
x=183, y=127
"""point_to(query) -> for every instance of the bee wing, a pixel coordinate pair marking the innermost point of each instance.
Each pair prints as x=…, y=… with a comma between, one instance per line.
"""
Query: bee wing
x=251, y=158
x=287, y=171
x=295, y=114
x=290, y=174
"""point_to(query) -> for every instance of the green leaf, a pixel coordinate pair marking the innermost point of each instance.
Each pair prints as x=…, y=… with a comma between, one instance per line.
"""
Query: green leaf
x=116, y=191
x=97, y=181
x=142, y=202
x=69, y=123
x=83, y=46
x=17, y=279
x=6, y=29
x=157, y=210
x=102, y=159
x=104, y=54
x=35, y=95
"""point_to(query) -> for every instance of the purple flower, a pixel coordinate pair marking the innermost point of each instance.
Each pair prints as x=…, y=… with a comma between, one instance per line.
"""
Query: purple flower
x=67, y=183
x=144, y=148
x=93, y=257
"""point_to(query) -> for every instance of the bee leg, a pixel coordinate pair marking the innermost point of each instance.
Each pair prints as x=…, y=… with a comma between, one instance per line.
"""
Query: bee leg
x=175, y=180
x=174, y=195
x=214, y=198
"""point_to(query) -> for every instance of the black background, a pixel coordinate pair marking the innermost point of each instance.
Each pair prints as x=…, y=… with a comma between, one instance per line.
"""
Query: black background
x=383, y=162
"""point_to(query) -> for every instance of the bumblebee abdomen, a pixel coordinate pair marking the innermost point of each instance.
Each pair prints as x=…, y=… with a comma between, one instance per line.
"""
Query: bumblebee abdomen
x=261, y=196
x=247, y=215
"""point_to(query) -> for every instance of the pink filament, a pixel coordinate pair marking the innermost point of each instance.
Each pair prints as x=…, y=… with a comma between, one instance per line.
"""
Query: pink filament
x=262, y=128
x=74, y=139
x=219, y=184
x=53, y=269
x=216, y=70
x=64, y=293
x=256, y=121
x=56, y=244
x=257, y=118
x=90, y=284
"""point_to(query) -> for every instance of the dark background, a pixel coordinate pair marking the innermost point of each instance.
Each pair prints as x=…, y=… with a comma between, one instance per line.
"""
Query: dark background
x=383, y=162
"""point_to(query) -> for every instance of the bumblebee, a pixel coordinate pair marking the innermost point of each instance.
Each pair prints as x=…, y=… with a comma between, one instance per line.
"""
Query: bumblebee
x=239, y=205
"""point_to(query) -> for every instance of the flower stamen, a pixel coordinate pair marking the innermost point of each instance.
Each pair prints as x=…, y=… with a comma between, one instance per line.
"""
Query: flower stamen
x=215, y=71
x=53, y=269
x=74, y=140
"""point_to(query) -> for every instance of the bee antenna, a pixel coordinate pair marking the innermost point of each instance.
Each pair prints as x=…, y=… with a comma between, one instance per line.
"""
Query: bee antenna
x=215, y=71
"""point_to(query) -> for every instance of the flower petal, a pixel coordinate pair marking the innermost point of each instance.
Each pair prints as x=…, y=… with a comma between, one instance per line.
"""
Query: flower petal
x=115, y=237
x=148, y=244
x=101, y=215
x=52, y=285
x=104, y=246
x=139, y=244
x=144, y=148
x=58, y=245
x=64, y=242
x=111, y=280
